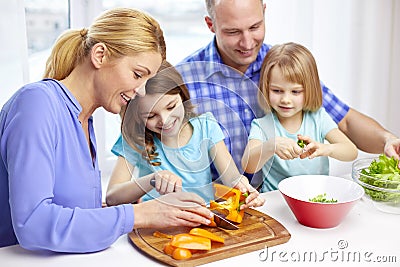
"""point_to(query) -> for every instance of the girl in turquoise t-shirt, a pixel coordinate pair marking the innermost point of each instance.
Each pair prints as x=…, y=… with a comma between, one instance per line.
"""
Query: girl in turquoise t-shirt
x=167, y=143
x=291, y=96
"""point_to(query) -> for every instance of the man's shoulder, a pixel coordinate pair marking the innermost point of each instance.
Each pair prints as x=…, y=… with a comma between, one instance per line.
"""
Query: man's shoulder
x=264, y=50
x=198, y=55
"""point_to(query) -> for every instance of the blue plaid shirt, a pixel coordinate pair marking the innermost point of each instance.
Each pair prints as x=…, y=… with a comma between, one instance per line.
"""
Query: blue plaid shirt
x=232, y=97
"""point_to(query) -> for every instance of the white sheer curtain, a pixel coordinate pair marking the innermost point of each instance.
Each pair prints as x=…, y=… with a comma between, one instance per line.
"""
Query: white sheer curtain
x=14, y=48
x=357, y=47
x=356, y=44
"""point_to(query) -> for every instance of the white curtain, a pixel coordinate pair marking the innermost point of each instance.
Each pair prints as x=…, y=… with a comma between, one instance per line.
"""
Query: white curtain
x=14, y=48
x=356, y=44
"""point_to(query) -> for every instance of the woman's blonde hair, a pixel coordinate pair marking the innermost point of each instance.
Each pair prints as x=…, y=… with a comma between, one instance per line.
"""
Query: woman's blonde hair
x=167, y=81
x=124, y=31
x=298, y=66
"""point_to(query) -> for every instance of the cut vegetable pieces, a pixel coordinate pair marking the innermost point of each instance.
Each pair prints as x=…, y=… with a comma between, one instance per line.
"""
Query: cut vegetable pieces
x=159, y=234
x=207, y=234
x=168, y=248
x=181, y=254
x=191, y=242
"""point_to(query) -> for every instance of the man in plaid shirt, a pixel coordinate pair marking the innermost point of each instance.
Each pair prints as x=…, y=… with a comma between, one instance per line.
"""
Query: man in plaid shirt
x=223, y=76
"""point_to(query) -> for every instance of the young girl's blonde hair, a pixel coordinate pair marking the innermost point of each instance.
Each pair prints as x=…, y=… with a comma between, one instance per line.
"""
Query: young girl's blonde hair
x=124, y=31
x=167, y=81
x=298, y=66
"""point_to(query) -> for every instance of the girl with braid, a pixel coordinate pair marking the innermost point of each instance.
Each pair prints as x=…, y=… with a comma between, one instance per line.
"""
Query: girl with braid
x=169, y=144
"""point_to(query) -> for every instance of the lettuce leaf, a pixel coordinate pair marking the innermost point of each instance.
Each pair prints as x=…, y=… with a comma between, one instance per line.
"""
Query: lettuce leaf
x=384, y=173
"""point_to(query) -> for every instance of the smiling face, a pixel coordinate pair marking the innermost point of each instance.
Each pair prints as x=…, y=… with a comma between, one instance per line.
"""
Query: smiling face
x=239, y=29
x=121, y=79
x=162, y=114
x=285, y=97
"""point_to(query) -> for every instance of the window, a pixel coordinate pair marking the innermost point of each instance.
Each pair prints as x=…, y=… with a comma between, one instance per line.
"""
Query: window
x=181, y=20
x=44, y=23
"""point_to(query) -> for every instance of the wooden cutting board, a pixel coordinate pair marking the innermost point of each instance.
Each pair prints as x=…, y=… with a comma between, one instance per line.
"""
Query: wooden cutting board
x=256, y=231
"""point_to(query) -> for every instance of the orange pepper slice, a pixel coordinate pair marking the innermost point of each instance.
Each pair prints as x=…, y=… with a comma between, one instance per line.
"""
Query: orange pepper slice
x=225, y=192
x=189, y=241
x=159, y=234
x=207, y=234
x=181, y=254
x=168, y=248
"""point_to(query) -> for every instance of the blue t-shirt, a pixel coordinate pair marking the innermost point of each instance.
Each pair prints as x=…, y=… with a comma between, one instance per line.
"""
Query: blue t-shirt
x=191, y=162
x=315, y=125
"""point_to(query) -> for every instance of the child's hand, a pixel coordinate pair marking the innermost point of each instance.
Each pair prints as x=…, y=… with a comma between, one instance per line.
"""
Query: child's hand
x=287, y=148
x=253, y=199
x=313, y=149
x=167, y=182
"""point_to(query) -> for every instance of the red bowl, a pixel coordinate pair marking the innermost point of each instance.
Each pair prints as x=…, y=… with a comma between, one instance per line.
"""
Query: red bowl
x=297, y=190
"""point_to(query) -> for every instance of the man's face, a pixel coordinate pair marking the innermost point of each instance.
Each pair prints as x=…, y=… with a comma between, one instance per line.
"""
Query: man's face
x=239, y=28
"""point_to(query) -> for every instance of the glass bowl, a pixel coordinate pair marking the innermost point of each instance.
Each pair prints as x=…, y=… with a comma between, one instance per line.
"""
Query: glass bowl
x=382, y=193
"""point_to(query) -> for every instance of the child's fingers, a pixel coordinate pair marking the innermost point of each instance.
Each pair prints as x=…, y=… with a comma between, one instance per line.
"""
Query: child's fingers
x=253, y=200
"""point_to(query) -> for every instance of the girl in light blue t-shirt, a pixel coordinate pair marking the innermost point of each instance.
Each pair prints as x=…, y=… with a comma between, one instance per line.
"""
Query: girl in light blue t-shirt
x=165, y=142
x=291, y=96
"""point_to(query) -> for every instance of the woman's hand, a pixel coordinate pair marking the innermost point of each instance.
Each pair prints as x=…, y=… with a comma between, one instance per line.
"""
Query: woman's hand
x=253, y=199
x=167, y=182
x=174, y=209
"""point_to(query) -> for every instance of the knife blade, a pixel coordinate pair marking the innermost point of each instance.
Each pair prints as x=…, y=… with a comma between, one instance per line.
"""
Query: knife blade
x=219, y=218
x=222, y=222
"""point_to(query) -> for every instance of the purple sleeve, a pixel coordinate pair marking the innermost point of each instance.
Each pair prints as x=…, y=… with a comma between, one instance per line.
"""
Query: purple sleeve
x=31, y=142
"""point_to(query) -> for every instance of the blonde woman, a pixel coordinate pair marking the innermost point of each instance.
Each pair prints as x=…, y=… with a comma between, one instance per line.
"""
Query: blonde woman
x=50, y=192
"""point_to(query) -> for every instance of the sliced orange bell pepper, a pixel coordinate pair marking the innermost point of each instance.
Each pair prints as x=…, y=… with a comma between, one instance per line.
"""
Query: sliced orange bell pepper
x=207, y=234
x=233, y=198
x=159, y=234
x=168, y=248
x=181, y=254
x=225, y=192
x=191, y=242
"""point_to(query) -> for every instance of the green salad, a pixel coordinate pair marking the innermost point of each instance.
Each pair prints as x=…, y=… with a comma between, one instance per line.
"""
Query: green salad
x=384, y=173
x=321, y=198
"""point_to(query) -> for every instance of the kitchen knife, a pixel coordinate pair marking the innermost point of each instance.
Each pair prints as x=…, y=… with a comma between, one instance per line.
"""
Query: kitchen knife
x=219, y=218
x=222, y=222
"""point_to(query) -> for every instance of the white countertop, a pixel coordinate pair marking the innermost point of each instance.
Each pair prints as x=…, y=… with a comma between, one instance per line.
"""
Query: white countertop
x=366, y=237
